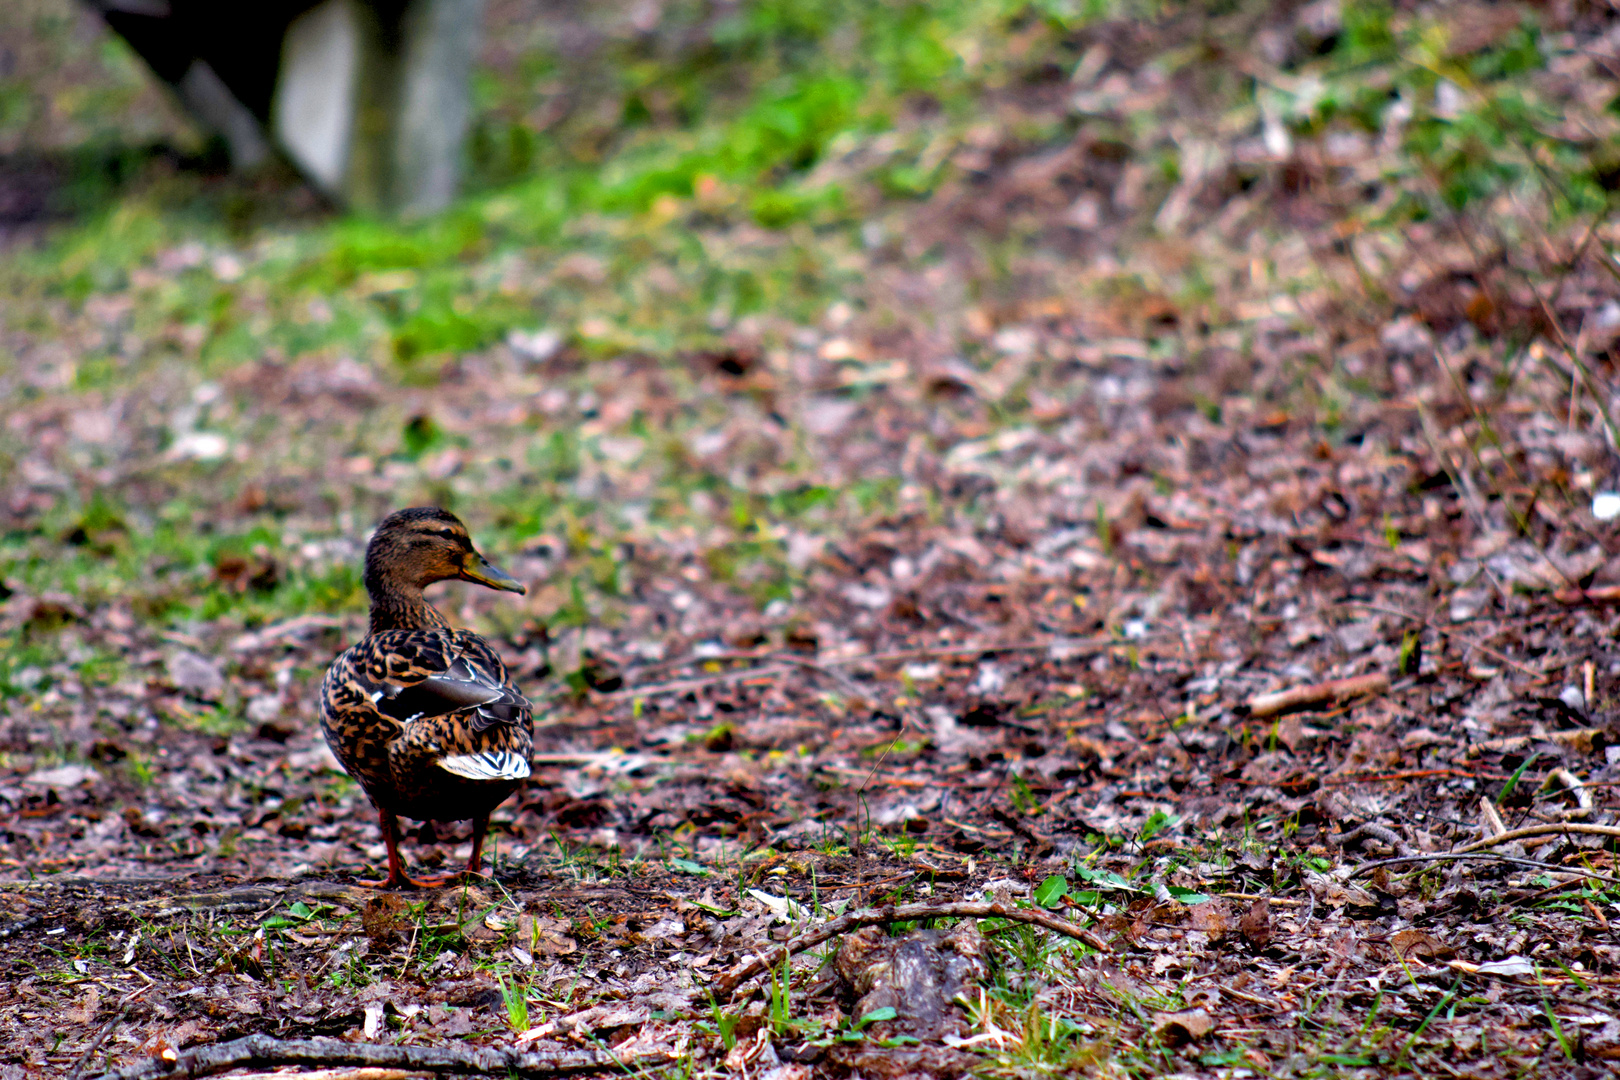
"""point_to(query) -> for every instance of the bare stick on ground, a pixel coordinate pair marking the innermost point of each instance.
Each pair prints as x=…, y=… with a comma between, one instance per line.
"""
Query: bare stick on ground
x=1576, y=872
x=1539, y=830
x=728, y=983
x=1598, y=594
x=261, y=1051
x=95, y=1044
x=1377, y=832
x=1336, y=692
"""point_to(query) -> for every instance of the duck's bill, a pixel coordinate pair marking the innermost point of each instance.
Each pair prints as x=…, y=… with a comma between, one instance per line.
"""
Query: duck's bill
x=486, y=573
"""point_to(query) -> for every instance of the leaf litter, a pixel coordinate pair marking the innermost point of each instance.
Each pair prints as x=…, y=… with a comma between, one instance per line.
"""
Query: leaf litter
x=1028, y=575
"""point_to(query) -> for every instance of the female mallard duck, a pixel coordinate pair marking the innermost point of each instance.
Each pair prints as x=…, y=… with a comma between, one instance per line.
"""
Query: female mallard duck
x=421, y=714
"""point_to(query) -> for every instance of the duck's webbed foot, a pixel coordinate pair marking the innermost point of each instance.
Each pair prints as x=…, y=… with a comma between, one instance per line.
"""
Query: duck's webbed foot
x=397, y=877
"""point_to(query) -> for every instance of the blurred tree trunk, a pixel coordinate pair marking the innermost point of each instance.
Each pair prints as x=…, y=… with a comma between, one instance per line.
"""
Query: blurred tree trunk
x=369, y=99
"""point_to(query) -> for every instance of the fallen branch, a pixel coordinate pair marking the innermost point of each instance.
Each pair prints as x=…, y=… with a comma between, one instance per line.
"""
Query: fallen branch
x=1375, y=830
x=1549, y=981
x=1597, y=594
x=1538, y=830
x=727, y=983
x=1373, y=777
x=264, y=1051
x=1334, y=692
x=1578, y=738
x=95, y=1044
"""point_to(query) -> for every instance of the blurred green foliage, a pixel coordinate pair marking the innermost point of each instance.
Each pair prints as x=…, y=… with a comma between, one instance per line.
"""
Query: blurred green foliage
x=731, y=116
x=1470, y=119
x=795, y=116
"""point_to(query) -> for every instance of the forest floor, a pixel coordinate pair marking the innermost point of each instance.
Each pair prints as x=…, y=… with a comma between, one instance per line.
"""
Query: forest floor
x=1211, y=567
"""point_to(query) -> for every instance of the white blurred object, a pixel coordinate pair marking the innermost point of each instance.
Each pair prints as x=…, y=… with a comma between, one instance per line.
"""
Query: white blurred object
x=1606, y=505
x=199, y=445
x=536, y=346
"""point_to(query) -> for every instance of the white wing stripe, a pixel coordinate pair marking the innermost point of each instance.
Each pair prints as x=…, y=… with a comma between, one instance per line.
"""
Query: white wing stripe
x=489, y=765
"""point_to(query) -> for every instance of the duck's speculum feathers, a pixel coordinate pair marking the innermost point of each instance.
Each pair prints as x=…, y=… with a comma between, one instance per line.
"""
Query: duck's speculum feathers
x=464, y=686
x=433, y=697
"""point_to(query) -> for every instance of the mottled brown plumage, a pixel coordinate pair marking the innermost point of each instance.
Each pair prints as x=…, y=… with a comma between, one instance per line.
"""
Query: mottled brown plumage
x=422, y=714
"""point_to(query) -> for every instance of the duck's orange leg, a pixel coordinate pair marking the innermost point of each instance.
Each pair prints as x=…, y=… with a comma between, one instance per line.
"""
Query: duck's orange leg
x=475, y=862
x=398, y=879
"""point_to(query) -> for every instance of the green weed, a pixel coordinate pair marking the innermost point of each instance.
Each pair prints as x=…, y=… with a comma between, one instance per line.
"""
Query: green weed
x=514, y=996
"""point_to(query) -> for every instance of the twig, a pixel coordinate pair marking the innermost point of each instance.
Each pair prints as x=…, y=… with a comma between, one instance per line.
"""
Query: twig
x=1573, y=786
x=1597, y=594
x=838, y=678
x=1583, y=978
x=1460, y=479
x=1559, y=887
x=1375, y=830
x=1238, y=995
x=1274, y=901
x=1334, y=692
x=1454, y=856
x=888, y=778
x=1539, y=830
x=1578, y=366
x=95, y=1044
x=728, y=983
x=1524, y=669
x=262, y=1050
x=1408, y=774
x=1485, y=428
x=1493, y=824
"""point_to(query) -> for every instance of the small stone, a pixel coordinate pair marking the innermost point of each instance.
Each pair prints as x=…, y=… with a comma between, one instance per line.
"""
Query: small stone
x=535, y=346
x=64, y=776
x=196, y=675
x=264, y=708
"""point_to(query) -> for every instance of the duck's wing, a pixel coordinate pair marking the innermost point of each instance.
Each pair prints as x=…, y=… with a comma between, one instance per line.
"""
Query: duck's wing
x=411, y=675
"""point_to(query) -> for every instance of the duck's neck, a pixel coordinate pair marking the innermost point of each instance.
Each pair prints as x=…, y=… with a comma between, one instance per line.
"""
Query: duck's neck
x=400, y=607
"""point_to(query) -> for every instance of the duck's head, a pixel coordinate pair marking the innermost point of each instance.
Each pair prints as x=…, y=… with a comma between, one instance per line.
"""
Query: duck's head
x=413, y=548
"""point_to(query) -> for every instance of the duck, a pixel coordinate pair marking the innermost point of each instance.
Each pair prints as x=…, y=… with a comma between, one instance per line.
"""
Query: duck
x=424, y=715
